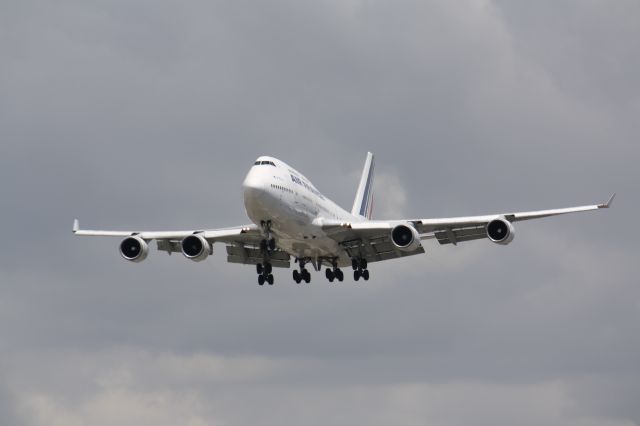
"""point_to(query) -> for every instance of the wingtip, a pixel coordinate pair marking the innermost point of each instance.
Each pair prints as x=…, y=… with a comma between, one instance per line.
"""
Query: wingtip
x=609, y=202
x=76, y=225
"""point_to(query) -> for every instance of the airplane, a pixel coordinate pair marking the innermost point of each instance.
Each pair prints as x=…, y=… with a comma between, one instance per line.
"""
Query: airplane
x=292, y=219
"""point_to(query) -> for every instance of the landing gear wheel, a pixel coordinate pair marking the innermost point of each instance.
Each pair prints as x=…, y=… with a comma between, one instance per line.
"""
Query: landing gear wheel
x=339, y=275
x=365, y=274
x=270, y=279
x=267, y=268
x=329, y=274
x=259, y=268
x=356, y=275
x=306, y=276
x=354, y=264
x=296, y=276
x=363, y=263
x=260, y=279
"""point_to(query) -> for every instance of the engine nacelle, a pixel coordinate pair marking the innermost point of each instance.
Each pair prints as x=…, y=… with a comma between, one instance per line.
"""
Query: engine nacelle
x=195, y=247
x=134, y=249
x=500, y=231
x=405, y=237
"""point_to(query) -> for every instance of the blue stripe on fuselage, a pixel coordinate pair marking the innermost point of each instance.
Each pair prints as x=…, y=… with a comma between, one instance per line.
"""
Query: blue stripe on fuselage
x=366, y=196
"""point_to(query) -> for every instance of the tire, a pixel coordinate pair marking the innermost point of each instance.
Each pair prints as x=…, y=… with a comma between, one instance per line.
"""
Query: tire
x=363, y=263
x=356, y=275
x=260, y=279
x=365, y=274
x=259, y=268
x=339, y=275
x=306, y=276
x=329, y=274
x=267, y=268
x=354, y=264
x=296, y=276
x=270, y=279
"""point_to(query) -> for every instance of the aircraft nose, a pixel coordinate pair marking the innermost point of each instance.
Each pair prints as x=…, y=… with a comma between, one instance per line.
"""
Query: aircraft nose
x=254, y=183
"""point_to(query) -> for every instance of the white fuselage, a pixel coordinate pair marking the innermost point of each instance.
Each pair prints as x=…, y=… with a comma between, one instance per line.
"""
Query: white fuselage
x=274, y=191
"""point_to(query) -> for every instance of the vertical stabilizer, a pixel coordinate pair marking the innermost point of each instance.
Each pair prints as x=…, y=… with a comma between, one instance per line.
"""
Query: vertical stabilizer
x=363, y=203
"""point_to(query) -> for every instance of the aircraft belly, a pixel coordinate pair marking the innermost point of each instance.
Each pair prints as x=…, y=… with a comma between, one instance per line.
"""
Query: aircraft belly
x=297, y=245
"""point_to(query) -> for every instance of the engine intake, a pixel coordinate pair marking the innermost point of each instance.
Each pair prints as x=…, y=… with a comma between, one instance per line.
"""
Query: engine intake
x=405, y=237
x=195, y=247
x=500, y=231
x=134, y=249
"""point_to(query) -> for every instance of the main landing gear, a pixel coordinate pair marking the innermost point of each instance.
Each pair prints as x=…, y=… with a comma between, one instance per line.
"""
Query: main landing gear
x=360, y=269
x=302, y=275
x=335, y=273
x=264, y=273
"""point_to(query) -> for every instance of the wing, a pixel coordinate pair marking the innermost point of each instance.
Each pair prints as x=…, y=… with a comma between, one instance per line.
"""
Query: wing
x=372, y=239
x=369, y=240
x=460, y=229
x=242, y=242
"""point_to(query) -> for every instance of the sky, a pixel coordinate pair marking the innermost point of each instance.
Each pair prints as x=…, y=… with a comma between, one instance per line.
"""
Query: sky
x=147, y=115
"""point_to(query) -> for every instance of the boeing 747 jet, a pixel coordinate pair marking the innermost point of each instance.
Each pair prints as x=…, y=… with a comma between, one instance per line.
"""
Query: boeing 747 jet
x=293, y=220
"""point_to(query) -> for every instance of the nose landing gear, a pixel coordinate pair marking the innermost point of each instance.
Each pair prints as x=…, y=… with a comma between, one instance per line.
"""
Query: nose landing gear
x=268, y=243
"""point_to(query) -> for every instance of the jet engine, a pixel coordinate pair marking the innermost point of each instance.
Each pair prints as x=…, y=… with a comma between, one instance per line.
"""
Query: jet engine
x=500, y=231
x=134, y=249
x=405, y=237
x=195, y=247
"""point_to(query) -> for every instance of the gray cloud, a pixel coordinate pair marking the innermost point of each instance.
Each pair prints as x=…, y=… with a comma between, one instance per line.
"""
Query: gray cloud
x=148, y=115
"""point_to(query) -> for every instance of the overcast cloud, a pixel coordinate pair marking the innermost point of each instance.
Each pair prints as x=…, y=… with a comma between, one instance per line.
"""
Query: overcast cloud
x=148, y=114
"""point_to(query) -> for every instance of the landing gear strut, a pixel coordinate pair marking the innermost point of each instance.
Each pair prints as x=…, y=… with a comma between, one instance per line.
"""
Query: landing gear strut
x=302, y=275
x=268, y=243
x=360, y=269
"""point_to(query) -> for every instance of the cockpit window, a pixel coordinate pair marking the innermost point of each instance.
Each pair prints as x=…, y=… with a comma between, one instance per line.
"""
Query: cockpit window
x=264, y=163
x=257, y=163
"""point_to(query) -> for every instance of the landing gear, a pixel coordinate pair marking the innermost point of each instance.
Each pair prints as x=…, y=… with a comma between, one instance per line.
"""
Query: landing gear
x=358, y=264
x=269, y=243
x=358, y=273
x=329, y=274
x=264, y=273
x=360, y=269
x=334, y=273
x=302, y=275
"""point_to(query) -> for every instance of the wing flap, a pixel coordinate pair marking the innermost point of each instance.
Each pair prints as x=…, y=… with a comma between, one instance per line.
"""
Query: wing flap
x=253, y=256
x=376, y=249
x=169, y=246
x=455, y=236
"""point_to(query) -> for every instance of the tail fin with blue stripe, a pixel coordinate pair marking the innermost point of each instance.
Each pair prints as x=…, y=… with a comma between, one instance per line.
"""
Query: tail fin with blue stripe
x=363, y=204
